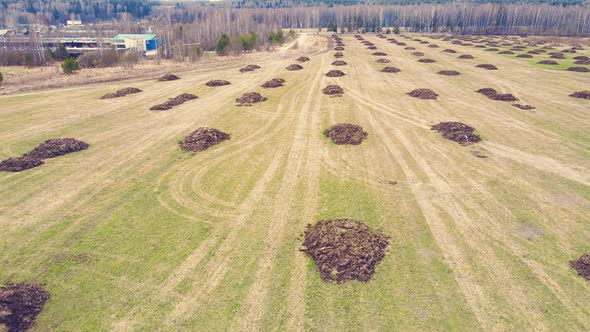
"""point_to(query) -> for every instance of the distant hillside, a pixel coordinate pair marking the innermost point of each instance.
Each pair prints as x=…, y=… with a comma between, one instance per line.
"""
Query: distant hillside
x=295, y=3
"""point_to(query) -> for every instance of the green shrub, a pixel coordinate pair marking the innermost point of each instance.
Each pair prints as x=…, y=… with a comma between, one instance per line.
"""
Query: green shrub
x=70, y=65
x=222, y=44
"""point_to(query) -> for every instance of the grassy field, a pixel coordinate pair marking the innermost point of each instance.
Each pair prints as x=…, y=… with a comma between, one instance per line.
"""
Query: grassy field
x=133, y=234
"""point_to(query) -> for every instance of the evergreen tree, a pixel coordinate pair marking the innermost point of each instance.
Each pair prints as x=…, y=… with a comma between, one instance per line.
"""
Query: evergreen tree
x=222, y=44
x=70, y=65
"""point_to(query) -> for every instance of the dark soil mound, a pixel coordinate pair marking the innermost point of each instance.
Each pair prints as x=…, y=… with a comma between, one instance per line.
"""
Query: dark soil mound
x=479, y=46
x=548, y=62
x=433, y=46
x=346, y=133
x=339, y=63
x=20, y=304
x=19, y=164
x=581, y=94
x=423, y=94
x=448, y=50
x=372, y=47
x=557, y=56
x=383, y=61
x=487, y=66
x=409, y=48
x=579, y=69
x=168, y=77
x=449, y=72
x=249, y=68
x=379, y=54
x=56, y=147
x=333, y=90
x=581, y=57
x=582, y=265
x=338, y=48
x=178, y=100
x=506, y=52
x=493, y=94
x=338, y=55
x=492, y=49
x=487, y=91
x=345, y=249
x=250, y=98
x=274, y=83
x=426, y=60
x=390, y=70
x=121, y=93
x=534, y=52
x=294, y=67
x=418, y=53
x=335, y=73
x=466, y=56
x=526, y=56
x=202, y=138
x=401, y=44
x=302, y=59
x=457, y=132
x=582, y=62
x=524, y=107
x=217, y=83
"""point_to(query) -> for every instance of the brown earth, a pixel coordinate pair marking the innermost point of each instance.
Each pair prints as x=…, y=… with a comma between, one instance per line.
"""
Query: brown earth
x=457, y=132
x=423, y=94
x=372, y=47
x=579, y=69
x=492, y=49
x=345, y=249
x=409, y=48
x=339, y=48
x=339, y=63
x=19, y=164
x=581, y=94
x=418, y=53
x=346, y=133
x=20, y=304
x=302, y=59
x=548, y=62
x=448, y=50
x=582, y=265
x=379, y=54
x=168, y=77
x=202, y=138
x=121, y=93
x=249, y=98
x=433, y=46
x=390, y=70
x=335, y=73
x=383, y=61
x=217, y=83
x=487, y=66
x=466, y=56
x=506, y=52
x=581, y=57
x=333, y=90
x=493, y=94
x=426, y=60
x=527, y=56
x=274, y=83
x=294, y=67
x=557, y=56
x=249, y=68
x=449, y=72
x=56, y=147
x=582, y=62
x=338, y=55
x=178, y=100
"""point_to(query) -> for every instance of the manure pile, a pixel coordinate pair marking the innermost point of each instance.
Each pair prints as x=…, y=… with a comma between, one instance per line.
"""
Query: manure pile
x=178, y=100
x=449, y=72
x=19, y=164
x=581, y=94
x=426, y=60
x=339, y=63
x=391, y=70
x=582, y=266
x=345, y=249
x=294, y=67
x=121, y=93
x=202, y=138
x=487, y=66
x=335, y=73
x=249, y=68
x=302, y=59
x=20, y=304
x=249, y=98
x=383, y=61
x=423, y=94
x=49, y=149
x=493, y=94
x=346, y=133
x=457, y=132
x=168, y=77
x=213, y=83
x=333, y=90
x=274, y=83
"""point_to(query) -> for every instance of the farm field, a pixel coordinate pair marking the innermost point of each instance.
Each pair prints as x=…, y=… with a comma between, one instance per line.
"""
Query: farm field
x=133, y=234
